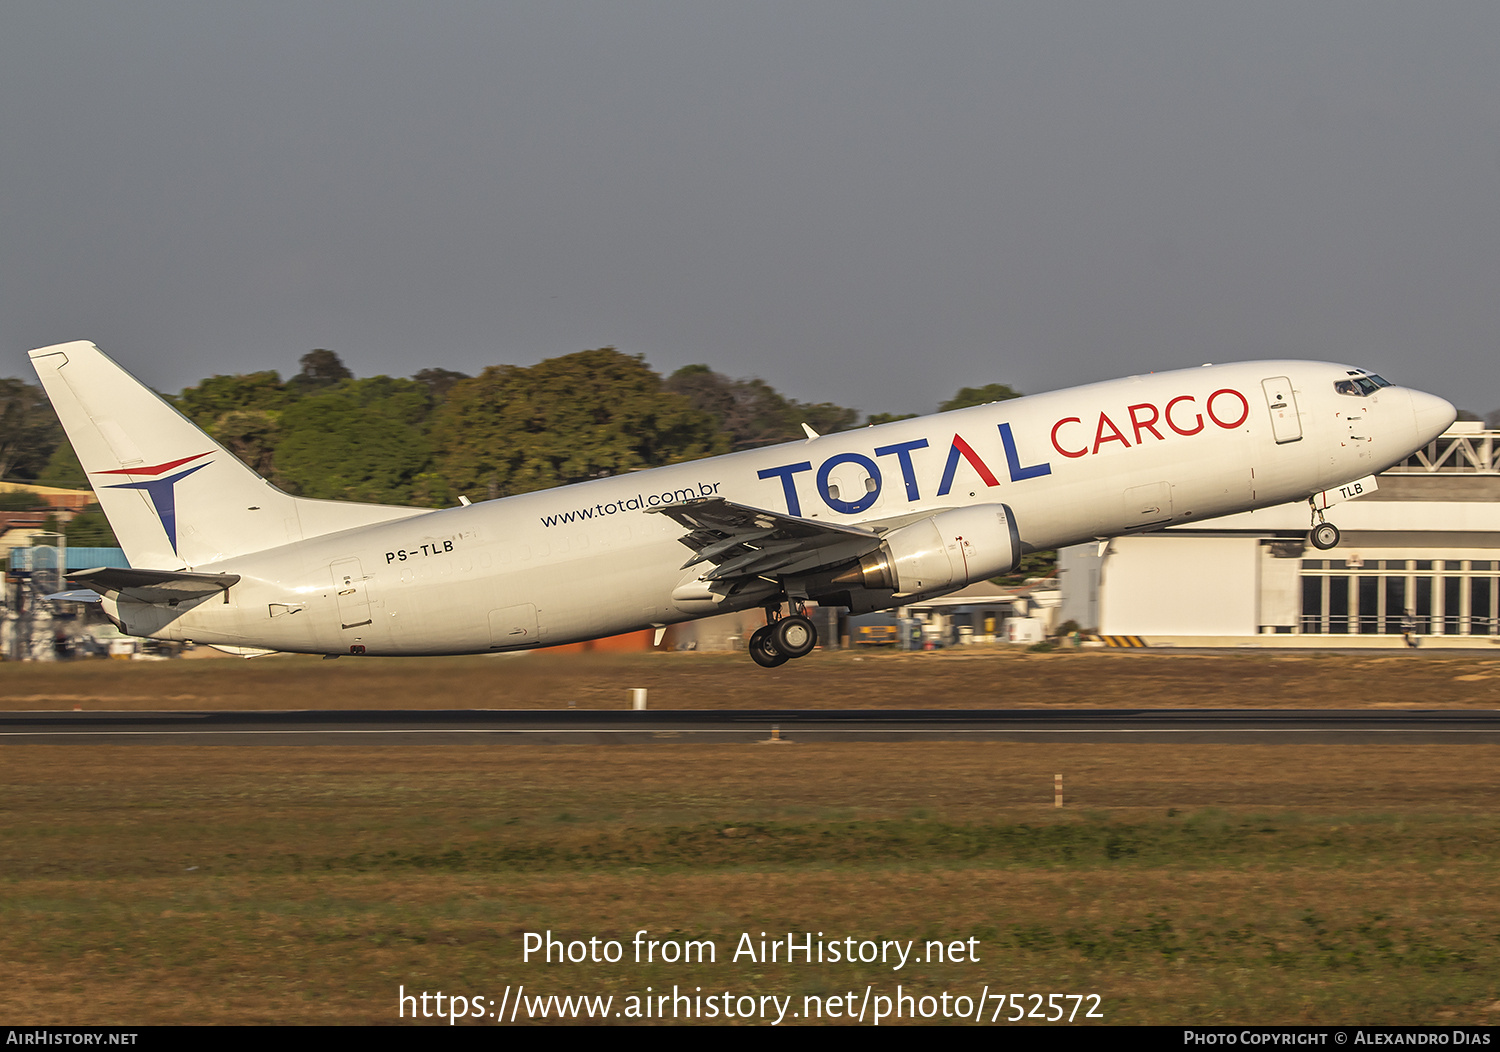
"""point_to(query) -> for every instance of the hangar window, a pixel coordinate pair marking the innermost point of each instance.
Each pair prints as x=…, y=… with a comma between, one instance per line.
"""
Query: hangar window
x=1452, y=597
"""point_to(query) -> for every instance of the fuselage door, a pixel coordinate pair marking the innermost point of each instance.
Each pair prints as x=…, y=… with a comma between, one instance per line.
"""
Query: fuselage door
x=1286, y=424
x=354, y=601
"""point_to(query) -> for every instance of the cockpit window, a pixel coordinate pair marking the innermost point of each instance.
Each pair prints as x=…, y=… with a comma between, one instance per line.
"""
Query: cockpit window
x=1360, y=384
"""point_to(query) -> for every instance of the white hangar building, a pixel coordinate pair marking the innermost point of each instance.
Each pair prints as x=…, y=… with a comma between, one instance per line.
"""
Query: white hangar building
x=1418, y=563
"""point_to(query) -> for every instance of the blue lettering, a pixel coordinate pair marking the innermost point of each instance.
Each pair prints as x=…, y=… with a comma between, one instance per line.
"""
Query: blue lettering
x=1017, y=472
x=845, y=506
x=902, y=453
x=785, y=473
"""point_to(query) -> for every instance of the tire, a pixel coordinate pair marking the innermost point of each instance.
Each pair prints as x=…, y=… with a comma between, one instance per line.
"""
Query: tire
x=763, y=649
x=794, y=636
x=1324, y=535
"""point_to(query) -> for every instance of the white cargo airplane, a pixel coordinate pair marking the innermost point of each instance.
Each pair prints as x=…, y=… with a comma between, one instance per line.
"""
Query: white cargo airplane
x=866, y=519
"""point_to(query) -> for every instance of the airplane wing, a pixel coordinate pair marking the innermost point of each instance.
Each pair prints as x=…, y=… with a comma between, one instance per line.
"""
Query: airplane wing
x=742, y=541
x=154, y=586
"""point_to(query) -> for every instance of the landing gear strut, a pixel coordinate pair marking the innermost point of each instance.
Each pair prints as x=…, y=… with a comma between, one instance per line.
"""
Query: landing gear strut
x=783, y=638
x=1324, y=534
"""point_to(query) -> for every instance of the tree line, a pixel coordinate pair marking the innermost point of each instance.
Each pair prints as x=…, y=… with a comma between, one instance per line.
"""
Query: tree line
x=426, y=439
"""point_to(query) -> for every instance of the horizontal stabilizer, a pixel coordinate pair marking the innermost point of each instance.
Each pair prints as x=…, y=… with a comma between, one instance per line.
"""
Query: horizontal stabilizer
x=154, y=586
x=78, y=595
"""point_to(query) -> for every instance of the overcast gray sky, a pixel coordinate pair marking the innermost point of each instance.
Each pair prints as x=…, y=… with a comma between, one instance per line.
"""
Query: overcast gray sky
x=866, y=203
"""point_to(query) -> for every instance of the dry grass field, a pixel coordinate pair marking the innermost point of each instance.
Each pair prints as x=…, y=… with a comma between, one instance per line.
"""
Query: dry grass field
x=980, y=677
x=1199, y=884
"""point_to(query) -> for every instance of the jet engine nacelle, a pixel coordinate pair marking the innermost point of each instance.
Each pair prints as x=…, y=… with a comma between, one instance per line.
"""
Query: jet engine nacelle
x=941, y=553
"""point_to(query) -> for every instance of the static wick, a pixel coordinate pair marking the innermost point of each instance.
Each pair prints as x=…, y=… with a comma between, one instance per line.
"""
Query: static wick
x=638, y=698
x=1057, y=790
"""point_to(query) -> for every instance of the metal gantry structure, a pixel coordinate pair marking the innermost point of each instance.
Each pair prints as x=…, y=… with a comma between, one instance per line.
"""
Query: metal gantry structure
x=34, y=629
x=1454, y=452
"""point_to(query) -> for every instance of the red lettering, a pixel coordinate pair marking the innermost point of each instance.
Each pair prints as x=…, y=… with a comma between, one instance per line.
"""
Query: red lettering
x=1244, y=408
x=1067, y=452
x=974, y=461
x=1115, y=436
x=1197, y=417
x=1146, y=425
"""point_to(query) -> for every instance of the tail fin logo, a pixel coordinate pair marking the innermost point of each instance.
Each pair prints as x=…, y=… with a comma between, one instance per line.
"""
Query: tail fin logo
x=162, y=491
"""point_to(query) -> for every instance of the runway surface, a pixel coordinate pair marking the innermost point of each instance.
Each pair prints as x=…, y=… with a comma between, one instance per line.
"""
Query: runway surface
x=592, y=726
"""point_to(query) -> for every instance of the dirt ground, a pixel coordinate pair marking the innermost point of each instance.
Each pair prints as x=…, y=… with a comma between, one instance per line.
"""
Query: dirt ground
x=971, y=678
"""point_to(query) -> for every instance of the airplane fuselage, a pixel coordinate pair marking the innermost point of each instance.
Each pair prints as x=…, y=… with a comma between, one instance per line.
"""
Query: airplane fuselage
x=594, y=559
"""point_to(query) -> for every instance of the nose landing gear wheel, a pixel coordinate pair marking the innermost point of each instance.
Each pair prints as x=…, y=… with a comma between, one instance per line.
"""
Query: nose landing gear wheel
x=1324, y=535
x=763, y=650
x=794, y=636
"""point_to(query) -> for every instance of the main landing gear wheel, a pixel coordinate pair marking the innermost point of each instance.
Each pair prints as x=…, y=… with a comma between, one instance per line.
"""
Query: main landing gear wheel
x=763, y=649
x=794, y=636
x=1324, y=535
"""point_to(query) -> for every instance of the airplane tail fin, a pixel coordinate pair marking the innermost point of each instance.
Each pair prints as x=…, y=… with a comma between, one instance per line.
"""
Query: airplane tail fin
x=175, y=497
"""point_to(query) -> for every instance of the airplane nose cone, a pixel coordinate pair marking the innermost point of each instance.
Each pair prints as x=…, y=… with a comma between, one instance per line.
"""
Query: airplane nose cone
x=1434, y=415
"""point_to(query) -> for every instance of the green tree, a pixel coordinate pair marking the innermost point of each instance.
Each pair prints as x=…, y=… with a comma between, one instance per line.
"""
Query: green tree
x=968, y=396
x=362, y=440
x=29, y=430
x=438, y=381
x=242, y=412
x=321, y=369
x=581, y=416
x=1032, y=565
x=887, y=418
x=750, y=412
x=90, y=529
x=252, y=435
x=63, y=469
x=21, y=500
x=823, y=417
x=211, y=399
